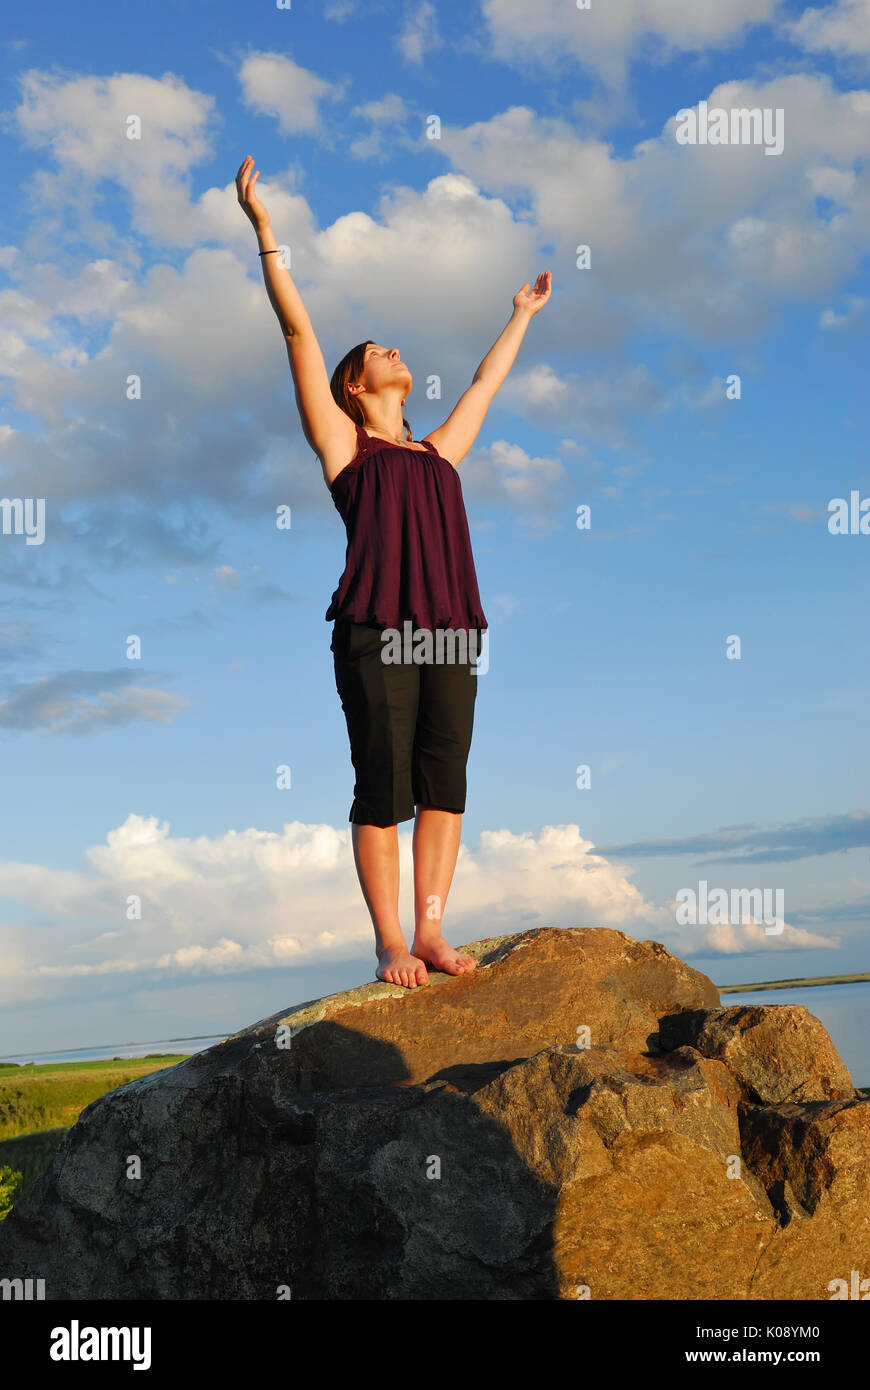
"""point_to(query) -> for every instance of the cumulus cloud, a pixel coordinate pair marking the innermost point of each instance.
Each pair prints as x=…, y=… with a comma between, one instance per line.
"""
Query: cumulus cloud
x=273, y=85
x=169, y=331
x=690, y=240
x=169, y=907
x=738, y=938
x=253, y=899
x=605, y=38
x=86, y=123
x=504, y=472
x=842, y=28
x=690, y=243
x=422, y=245
x=600, y=405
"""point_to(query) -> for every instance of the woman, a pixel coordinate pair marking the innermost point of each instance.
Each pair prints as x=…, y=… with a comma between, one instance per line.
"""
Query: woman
x=408, y=561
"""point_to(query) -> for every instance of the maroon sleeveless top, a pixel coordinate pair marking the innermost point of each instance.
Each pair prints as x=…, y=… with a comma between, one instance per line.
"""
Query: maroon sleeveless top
x=408, y=547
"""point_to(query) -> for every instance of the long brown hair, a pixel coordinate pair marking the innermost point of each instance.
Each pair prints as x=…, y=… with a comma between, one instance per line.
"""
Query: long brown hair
x=348, y=372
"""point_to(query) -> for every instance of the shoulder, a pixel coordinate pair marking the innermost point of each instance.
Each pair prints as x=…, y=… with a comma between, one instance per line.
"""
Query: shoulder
x=435, y=450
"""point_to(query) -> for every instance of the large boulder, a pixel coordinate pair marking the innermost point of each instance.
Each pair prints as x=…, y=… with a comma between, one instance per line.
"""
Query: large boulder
x=576, y=1118
x=778, y=1052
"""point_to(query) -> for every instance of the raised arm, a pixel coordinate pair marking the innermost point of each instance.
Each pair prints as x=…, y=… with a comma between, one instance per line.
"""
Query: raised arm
x=326, y=427
x=455, y=437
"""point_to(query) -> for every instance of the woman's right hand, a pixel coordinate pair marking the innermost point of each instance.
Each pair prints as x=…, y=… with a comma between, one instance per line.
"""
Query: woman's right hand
x=248, y=200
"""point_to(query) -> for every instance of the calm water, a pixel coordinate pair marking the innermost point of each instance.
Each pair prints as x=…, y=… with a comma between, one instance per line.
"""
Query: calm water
x=134, y=1050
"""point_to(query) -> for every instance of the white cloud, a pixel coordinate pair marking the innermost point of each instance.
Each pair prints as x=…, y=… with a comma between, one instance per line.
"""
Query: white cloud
x=607, y=37
x=387, y=118
x=504, y=472
x=601, y=406
x=85, y=123
x=712, y=395
x=842, y=28
x=540, y=386
x=81, y=123
x=688, y=240
x=253, y=899
x=382, y=111
x=85, y=702
x=736, y=938
x=358, y=275
x=273, y=85
x=849, y=317
x=419, y=34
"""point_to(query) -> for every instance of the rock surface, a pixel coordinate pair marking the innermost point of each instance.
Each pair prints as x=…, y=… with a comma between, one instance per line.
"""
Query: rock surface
x=777, y=1054
x=456, y=1142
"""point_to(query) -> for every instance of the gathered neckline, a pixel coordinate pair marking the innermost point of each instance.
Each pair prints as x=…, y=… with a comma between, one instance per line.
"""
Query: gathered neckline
x=359, y=456
x=394, y=443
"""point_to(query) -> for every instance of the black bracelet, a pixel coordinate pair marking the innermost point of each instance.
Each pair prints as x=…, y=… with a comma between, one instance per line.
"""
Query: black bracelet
x=269, y=253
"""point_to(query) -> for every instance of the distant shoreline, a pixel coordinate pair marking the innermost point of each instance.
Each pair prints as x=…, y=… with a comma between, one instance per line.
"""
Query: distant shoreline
x=809, y=983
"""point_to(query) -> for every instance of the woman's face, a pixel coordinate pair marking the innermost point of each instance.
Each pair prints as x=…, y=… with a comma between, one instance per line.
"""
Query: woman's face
x=384, y=367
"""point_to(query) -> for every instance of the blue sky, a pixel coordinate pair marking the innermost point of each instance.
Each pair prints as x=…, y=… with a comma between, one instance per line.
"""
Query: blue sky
x=119, y=257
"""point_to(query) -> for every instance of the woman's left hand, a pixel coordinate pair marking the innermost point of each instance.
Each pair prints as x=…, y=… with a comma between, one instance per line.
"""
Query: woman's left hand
x=531, y=300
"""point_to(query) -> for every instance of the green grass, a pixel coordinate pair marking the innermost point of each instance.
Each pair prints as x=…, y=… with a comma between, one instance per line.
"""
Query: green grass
x=35, y=1098
x=20, y=1068
x=30, y=1154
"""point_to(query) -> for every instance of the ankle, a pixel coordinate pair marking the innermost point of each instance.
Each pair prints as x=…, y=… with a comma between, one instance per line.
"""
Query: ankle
x=430, y=932
x=390, y=941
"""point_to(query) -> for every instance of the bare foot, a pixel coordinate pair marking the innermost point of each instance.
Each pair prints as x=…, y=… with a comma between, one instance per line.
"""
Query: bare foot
x=397, y=966
x=437, y=953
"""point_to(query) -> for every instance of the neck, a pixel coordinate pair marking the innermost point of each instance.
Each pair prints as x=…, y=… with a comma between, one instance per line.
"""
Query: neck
x=385, y=416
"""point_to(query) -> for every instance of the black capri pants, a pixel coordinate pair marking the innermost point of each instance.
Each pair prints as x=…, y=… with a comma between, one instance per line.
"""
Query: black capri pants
x=409, y=725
